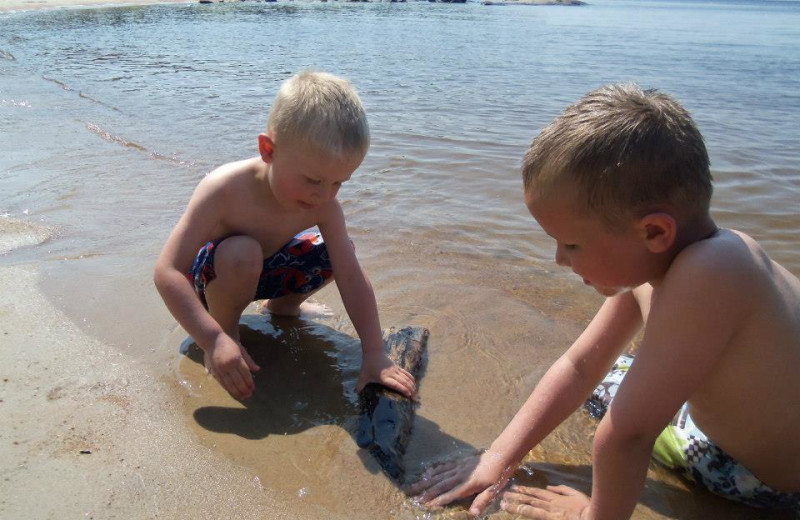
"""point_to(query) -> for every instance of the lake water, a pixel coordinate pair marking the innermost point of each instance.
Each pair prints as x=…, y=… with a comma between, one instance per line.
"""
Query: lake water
x=110, y=116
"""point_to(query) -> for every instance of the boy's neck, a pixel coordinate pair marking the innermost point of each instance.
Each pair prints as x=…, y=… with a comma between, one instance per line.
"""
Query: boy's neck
x=690, y=232
x=694, y=231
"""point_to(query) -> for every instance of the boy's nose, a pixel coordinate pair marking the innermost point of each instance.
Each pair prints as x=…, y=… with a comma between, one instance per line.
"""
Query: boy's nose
x=323, y=193
x=561, y=258
x=326, y=193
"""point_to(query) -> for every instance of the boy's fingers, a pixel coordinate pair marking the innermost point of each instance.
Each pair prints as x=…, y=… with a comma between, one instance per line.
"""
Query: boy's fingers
x=483, y=500
x=456, y=492
x=251, y=365
x=564, y=490
x=526, y=510
x=431, y=477
x=404, y=385
x=238, y=381
x=408, y=382
x=405, y=373
x=524, y=498
x=230, y=385
x=436, y=492
x=544, y=494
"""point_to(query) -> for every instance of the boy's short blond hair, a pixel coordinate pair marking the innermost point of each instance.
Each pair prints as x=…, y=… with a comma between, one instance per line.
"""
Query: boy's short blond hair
x=628, y=151
x=321, y=111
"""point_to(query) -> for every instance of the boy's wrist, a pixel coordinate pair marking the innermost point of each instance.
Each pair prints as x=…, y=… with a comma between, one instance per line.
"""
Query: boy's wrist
x=372, y=351
x=214, y=340
x=504, y=456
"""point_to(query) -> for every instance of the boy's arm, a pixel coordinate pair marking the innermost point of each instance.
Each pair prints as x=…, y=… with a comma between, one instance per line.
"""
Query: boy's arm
x=359, y=302
x=224, y=358
x=691, y=322
x=561, y=391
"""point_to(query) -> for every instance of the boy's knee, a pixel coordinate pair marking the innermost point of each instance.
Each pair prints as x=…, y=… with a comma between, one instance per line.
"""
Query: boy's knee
x=239, y=256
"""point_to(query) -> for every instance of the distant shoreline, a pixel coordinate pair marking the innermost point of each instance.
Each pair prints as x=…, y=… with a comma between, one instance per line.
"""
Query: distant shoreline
x=35, y=5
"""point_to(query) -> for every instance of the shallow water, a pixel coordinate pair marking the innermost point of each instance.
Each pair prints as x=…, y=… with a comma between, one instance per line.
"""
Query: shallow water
x=109, y=117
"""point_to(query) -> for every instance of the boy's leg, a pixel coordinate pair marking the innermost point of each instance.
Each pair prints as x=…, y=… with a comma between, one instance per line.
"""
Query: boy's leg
x=290, y=276
x=291, y=304
x=682, y=447
x=237, y=267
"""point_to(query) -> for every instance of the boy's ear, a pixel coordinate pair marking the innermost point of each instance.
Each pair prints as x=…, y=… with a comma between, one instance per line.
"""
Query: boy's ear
x=659, y=231
x=266, y=147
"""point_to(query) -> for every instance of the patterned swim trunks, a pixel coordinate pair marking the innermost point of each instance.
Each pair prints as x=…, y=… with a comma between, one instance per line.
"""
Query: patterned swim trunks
x=301, y=266
x=685, y=449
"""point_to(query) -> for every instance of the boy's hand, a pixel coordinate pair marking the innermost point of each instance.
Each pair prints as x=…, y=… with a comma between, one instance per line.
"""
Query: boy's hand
x=553, y=503
x=380, y=369
x=230, y=364
x=483, y=475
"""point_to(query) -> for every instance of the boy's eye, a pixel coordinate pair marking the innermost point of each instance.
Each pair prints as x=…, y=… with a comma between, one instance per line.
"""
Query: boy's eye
x=313, y=181
x=570, y=247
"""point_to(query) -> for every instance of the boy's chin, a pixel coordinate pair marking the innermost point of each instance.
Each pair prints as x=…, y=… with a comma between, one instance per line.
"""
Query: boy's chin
x=609, y=291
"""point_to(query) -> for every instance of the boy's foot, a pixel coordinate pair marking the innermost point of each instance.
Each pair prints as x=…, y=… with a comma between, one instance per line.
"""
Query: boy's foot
x=308, y=309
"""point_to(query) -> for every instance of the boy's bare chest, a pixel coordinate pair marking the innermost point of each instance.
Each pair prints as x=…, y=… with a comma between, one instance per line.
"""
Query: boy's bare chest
x=270, y=227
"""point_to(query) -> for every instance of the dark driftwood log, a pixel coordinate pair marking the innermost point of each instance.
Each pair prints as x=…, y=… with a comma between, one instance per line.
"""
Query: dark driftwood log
x=384, y=427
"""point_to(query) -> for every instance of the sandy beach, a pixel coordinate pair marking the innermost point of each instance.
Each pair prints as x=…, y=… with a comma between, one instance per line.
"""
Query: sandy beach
x=95, y=436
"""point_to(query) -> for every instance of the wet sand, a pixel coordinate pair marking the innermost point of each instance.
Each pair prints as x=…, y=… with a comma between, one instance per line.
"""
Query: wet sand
x=92, y=432
x=89, y=433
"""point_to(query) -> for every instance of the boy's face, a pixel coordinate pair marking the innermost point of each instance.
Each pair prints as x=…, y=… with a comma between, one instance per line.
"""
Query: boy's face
x=609, y=261
x=304, y=179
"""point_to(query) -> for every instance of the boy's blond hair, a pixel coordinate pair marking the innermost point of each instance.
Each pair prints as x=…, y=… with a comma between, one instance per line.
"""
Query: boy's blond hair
x=322, y=111
x=628, y=151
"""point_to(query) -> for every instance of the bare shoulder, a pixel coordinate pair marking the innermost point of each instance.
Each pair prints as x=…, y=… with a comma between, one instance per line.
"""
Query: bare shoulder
x=232, y=176
x=728, y=256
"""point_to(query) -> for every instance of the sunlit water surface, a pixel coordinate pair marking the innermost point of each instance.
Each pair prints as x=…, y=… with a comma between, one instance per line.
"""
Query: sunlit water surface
x=109, y=117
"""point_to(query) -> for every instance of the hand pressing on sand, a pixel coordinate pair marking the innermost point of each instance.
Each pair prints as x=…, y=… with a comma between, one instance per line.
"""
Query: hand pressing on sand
x=483, y=475
x=378, y=368
x=230, y=364
x=553, y=503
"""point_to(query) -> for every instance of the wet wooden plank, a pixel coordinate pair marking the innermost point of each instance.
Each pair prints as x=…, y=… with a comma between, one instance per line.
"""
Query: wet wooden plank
x=387, y=417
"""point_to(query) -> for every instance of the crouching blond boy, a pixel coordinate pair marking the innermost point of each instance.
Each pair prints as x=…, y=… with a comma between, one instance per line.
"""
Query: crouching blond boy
x=247, y=234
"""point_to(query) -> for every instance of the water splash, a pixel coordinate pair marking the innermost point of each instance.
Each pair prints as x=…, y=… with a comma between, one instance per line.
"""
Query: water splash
x=111, y=138
x=15, y=234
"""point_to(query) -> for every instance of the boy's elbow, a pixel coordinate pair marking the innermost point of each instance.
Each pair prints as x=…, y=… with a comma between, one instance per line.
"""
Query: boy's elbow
x=614, y=435
x=160, y=275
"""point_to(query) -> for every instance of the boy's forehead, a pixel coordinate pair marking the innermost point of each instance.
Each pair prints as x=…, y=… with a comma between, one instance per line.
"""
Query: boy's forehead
x=564, y=193
x=322, y=163
x=558, y=211
x=307, y=148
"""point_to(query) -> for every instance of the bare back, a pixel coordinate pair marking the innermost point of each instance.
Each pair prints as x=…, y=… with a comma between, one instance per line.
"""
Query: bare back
x=747, y=311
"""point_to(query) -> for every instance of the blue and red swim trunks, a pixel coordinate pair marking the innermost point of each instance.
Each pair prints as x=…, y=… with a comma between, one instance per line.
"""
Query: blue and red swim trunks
x=301, y=266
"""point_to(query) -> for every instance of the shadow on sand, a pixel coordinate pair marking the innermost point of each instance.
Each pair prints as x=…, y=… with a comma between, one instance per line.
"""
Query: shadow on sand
x=307, y=379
